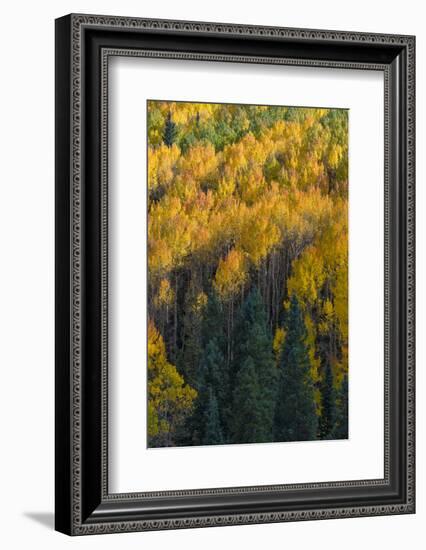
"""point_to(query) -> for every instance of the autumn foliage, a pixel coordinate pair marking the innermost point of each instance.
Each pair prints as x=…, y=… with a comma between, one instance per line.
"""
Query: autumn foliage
x=247, y=227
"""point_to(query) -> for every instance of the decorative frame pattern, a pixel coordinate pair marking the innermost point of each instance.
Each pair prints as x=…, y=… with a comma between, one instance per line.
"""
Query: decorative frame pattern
x=86, y=507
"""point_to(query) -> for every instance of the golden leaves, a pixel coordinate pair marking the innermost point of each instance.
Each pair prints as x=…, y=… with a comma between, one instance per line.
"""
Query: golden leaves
x=165, y=296
x=161, y=165
x=230, y=274
x=278, y=342
x=199, y=163
x=169, y=398
x=200, y=302
x=229, y=203
x=307, y=276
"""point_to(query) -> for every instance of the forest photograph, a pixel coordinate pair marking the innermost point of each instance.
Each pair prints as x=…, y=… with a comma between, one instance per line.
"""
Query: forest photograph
x=247, y=274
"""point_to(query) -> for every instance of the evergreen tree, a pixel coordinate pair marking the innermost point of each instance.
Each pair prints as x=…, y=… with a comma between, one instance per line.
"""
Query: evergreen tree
x=341, y=425
x=210, y=410
x=170, y=131
x=253, y=351
x=212, y=426
x=214, y=322
x=247, y=422
x=295, y=415
x=213, y=373
x=251, y=320
x=328, y=405
x=191, y=347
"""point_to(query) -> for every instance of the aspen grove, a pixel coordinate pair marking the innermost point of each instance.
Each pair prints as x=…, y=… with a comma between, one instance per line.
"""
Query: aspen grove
x=247, y=274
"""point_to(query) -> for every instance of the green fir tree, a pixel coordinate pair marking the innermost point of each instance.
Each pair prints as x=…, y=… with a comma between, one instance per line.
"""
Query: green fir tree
x=212, y=393
x=247, y=422
x=295, y=415
x=253, y=350
x=214, y=322
x=191, y=337
x=328, y=405
x=212, y=426
x=170, y=131
x=341, y=424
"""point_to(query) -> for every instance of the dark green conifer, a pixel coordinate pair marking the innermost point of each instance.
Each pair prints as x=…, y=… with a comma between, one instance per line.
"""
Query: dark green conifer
x=328, y=405
x=295, y=415
x=214, y=322
x=212, y=396
x=192, y=343
x=253, y=351
x=247, y=422
x=341, y=425
x=212, y=426
x=170, y=131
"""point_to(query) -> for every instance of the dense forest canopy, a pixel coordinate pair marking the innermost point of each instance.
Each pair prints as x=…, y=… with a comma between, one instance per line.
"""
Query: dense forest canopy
x=248, y=273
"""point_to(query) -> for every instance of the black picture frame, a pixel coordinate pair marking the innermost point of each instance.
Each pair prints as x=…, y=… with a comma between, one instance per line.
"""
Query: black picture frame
x=83, y=45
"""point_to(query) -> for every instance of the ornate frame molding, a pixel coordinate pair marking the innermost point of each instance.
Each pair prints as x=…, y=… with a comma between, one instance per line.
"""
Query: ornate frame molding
x=71, y=43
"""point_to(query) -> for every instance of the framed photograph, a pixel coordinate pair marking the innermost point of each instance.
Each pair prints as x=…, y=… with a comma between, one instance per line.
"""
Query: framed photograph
x=234, y=274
